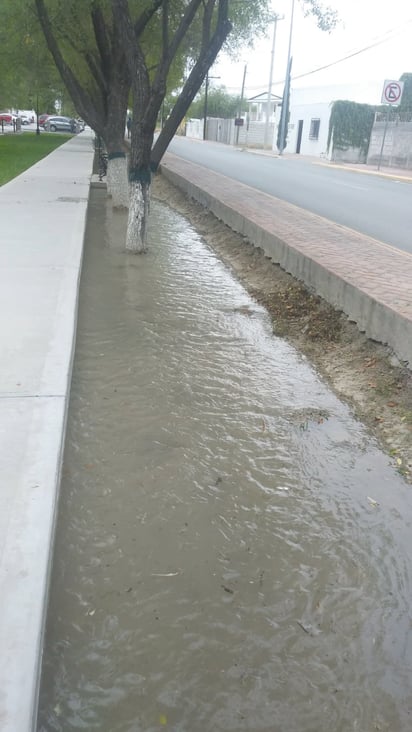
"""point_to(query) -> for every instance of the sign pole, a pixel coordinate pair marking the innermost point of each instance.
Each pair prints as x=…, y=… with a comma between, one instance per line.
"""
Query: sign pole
x=392, y=96
x=384, y=136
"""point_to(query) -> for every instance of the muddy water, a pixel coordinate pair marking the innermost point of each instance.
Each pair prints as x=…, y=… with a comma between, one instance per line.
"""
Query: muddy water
x=233, y=551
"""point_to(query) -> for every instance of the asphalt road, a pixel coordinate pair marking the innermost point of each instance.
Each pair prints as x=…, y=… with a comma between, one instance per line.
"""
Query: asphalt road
x=373, y=205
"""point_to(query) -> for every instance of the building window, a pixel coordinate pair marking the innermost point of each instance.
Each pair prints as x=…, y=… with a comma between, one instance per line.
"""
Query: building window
x=314, y=129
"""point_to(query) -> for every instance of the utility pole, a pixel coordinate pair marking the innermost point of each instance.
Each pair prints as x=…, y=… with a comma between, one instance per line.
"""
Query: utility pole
x=205, y=107
x=269, y=101
x=241, y=102
x=283, y=119
x=37, y=114
x=281, y=141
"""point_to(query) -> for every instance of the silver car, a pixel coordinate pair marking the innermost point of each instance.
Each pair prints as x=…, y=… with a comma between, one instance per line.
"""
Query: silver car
x=60, y=124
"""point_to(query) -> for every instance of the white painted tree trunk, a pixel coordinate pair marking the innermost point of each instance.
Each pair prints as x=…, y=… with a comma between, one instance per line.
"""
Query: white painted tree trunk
x=109, y=176
x=117, y=183
x=139, y=203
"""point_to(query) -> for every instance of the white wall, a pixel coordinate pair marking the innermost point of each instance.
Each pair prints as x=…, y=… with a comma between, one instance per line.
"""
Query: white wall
x=308, y=103
x=194, y=128
x=307, y=112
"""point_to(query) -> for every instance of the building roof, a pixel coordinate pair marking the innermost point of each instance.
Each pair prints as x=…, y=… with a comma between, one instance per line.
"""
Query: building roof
x=263, y=97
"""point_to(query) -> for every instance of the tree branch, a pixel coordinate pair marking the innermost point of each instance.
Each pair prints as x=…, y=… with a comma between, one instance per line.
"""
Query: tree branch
x=207, y=22
x=96, y=71
x=82, y=100
x=101, y=36
x=193, y=83
x=183, y=27
x=165, y=29
x=159, y=83
x=134, y=54
x=145, y=17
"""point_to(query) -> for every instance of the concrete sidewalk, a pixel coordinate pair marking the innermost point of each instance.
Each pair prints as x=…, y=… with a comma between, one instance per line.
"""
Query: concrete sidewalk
x=368, y=280
x=43, y=214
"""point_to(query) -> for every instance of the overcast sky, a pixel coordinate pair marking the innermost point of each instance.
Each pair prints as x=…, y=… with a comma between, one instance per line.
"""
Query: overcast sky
x=362, y=23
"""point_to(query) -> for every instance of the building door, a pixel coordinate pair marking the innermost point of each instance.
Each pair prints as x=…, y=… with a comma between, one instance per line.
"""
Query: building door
x=299, y=139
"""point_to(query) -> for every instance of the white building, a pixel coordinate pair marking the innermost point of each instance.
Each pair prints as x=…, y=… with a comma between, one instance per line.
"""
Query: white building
x=310, y=110
x=260, y=104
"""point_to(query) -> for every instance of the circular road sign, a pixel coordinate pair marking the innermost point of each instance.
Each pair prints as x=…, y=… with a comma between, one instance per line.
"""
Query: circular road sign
x=392, y=92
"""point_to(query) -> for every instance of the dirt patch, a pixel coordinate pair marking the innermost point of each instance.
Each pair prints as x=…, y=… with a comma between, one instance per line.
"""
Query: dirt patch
x=362, y=372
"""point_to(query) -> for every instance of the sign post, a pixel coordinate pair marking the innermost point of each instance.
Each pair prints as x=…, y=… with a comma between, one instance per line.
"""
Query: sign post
x=391, y=95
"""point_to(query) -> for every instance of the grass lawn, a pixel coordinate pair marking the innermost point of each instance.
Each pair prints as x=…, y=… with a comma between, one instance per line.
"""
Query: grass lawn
x=19, y=152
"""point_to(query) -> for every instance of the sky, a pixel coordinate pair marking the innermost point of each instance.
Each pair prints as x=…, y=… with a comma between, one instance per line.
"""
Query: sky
x=362, y=23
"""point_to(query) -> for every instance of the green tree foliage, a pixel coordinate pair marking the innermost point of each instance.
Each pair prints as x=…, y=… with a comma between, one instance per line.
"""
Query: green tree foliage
x=87, y=50
x=350, y=125
x=405, y=107
x=27, y=70
x=326, y=17
x=219, y=104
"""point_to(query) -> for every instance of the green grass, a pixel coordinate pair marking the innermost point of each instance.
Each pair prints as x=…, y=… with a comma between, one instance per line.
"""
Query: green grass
x=20, y=152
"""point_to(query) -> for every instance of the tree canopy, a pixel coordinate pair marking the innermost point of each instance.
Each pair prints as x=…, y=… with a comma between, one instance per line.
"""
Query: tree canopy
x=219, y=104
x=405, y=107
x=27, y=65
x=27, y=70
x=105, y=49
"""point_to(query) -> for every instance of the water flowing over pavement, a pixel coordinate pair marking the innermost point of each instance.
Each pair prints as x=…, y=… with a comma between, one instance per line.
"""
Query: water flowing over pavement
x=232, y=549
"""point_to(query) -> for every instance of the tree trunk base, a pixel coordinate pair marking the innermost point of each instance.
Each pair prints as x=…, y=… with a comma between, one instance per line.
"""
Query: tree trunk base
x=139, y=204
x=117, y=183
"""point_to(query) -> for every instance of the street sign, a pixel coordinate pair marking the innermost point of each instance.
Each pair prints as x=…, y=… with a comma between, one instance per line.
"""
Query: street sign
x=392, y=92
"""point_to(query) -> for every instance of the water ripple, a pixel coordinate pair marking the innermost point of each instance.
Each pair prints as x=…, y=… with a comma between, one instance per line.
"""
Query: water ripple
x=232, y=550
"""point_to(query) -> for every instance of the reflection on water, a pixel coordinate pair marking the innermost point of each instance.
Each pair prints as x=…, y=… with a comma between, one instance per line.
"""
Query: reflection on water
x=232, y=548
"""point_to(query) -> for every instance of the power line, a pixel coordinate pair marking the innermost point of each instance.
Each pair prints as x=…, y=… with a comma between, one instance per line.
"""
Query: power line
x=350, y=55
x=388, y=36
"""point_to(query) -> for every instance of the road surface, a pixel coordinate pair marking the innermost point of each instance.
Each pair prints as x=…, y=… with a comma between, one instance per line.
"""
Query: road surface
x=373, y=205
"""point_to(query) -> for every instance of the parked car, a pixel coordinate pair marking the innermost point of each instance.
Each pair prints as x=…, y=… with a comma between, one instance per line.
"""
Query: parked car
x=6, y=117
x=61, y=124
x=26, y=115
x=42, y=119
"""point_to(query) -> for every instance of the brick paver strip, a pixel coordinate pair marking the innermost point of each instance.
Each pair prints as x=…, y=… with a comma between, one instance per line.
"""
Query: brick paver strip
x=381, y=271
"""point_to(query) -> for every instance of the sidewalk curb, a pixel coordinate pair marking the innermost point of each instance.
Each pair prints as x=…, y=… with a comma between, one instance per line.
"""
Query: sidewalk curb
x=379, y=173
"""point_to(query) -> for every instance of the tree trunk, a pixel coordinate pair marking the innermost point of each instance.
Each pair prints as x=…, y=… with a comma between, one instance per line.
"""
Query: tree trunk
x=114, y=131
x=148, y=93
x=117, y=182
x=139, y=179
x=103, y=101
x=139, y=204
